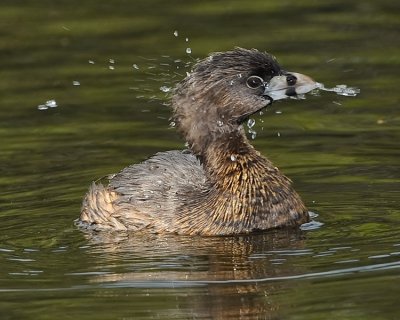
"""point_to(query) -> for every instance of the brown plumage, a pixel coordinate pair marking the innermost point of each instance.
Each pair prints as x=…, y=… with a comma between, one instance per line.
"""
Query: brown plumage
x=221, y=185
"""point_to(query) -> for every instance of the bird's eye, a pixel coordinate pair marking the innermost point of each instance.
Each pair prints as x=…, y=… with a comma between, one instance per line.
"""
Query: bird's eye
x=254, y=82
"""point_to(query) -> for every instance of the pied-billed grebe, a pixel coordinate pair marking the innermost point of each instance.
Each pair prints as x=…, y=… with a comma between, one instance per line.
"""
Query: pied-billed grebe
x=221, y=185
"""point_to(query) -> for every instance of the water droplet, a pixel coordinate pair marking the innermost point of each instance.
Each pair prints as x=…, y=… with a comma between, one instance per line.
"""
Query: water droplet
x=233, y=158
x=231, y=83
x=91, y=61
x=48, y=104
x=278, y=134
x=135, y=66
x=176, y=33
x=111, y=67
x=380, y=121
x=188, y=50
x=111, y=61
x=220, y=123
x=165, y=89
x=251, y=122
x=239, y=75
x=187, y=39
x=51, y=103
x=278, y=112
x=76, y=83
x=187, y=74
x=172, y=124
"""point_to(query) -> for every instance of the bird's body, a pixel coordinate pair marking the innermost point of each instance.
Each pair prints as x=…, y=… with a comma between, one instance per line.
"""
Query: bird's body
x=221, y=185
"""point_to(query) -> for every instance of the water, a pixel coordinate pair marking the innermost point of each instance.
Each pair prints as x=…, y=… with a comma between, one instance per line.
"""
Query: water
x=250, y=124
x=341, y=89
x=49, y=104
x=341, y=152
x=165, y=89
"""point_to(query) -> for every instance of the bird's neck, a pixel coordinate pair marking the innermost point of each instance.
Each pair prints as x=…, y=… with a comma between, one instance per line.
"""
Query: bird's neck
x=231, y=158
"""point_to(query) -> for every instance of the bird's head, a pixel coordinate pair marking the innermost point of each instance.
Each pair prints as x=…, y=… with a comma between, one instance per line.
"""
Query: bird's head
x=225, y=89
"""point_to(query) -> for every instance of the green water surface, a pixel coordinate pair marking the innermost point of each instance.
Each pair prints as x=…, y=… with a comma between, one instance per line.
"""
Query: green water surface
x=104, y=62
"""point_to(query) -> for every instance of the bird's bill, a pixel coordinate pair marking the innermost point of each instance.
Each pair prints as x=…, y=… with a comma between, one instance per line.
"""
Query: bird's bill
x=290, y=84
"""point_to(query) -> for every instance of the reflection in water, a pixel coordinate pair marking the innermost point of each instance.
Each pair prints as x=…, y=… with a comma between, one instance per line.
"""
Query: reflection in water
x=223, y=277
x=226, y=266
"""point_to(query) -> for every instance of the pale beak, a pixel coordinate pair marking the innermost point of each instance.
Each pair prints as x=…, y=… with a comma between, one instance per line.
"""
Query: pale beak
x=288, y=85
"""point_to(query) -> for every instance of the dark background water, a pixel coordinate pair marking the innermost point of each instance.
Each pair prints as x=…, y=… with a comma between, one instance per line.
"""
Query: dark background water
x=342, y=153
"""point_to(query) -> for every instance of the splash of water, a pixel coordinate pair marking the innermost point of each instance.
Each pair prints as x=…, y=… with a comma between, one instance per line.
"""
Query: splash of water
x=165, y=89
x=49, y=104
x=340, y=89
x=250, y=124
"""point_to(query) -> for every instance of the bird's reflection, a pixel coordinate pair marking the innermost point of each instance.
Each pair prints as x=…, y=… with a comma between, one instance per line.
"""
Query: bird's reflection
x=237, y=273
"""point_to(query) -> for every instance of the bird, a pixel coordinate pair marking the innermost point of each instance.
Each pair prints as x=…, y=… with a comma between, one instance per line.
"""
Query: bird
x=220, y=185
